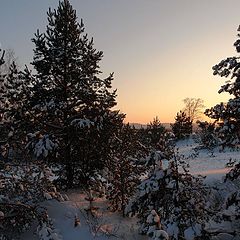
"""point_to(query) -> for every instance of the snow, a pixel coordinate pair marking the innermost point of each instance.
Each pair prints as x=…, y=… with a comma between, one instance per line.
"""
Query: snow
x=225, y=236
x=70, y=219
x=81, y=123
x=105, y=225
x=172, y=229
x=204, y=162
x=160, y=234
x=47, y=196
x=41, y=145
x=192, y=232
x=2, y=214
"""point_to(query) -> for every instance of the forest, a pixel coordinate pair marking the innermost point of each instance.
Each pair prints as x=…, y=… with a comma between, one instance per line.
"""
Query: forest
x=72, y=168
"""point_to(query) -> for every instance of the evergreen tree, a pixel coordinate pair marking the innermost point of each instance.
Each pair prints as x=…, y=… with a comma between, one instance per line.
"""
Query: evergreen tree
x=207, y=136
x=183, y=125
x=155, y=137
x=22, y=188
x=154, y=134
x=178, y=198
x=124, y=169
x=15, y=117
x=154, y=230
x=227, y=115
x=69, y=101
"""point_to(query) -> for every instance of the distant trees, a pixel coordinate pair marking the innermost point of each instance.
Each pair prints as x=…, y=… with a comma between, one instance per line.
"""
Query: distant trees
x=227, y=115
x=192, y=111
x=193, y=108
x=154, y=136
x=183, y=125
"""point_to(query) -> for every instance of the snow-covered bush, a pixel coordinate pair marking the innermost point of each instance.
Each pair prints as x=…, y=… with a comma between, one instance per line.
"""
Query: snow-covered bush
x=178, y=197
x=46, y=231
x=225, y=215
x=232, y=202
x=154, y=231
x=41, y=146
x=160, y=235
x=22, y=188
x=234, y=173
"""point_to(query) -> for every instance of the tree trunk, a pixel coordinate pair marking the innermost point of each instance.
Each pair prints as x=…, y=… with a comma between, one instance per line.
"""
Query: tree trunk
x=68, y=163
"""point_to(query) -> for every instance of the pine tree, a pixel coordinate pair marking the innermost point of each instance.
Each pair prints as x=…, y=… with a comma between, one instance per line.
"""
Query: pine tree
x=207, y=136
x=154, y=133
x=183, y=126
x=70, y=102
x=14, y=105
x=227, y=115
x=177, y=197
x=22, y=188
x=154, y=230
x=155, y=137
x=124, y=169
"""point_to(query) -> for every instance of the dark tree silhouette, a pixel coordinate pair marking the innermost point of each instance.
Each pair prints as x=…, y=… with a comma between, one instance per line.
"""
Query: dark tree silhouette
x=71, y=104
x=228, y=114
x=183, y=125
x=193, y=108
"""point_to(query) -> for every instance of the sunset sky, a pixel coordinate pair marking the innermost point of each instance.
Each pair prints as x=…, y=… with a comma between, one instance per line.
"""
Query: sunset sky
x=161, y=51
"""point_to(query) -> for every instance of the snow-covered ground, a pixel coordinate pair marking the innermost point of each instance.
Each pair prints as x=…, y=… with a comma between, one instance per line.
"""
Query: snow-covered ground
x=108, y=225
x=103, y=225
x=205, y=162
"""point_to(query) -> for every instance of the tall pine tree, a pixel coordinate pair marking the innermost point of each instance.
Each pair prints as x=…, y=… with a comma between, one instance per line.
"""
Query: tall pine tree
x=71, y=104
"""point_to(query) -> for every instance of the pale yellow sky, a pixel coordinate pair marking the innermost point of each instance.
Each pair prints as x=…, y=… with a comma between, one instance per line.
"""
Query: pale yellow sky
x=185, y=72
x=161, y=51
